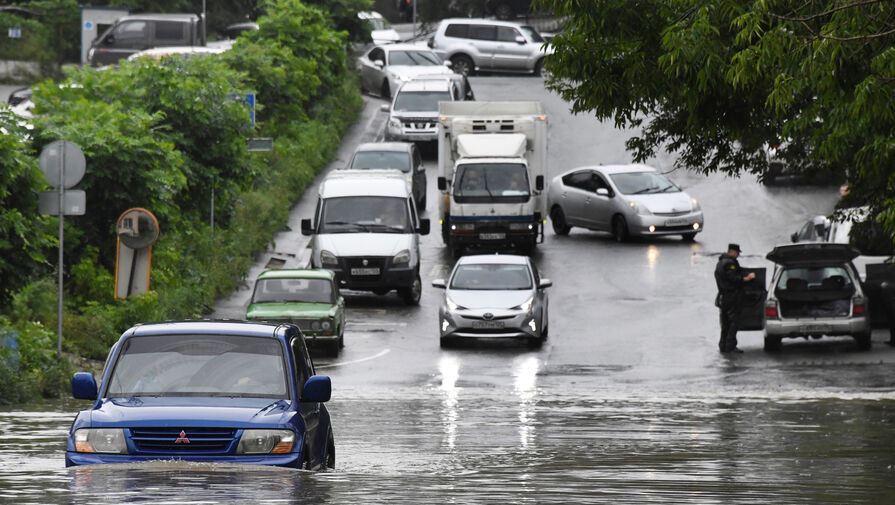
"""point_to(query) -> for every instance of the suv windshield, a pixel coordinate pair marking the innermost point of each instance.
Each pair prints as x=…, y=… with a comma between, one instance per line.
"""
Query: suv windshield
x=293, y=291
x=423, y=58
x=420, y=101
x=491, y=181
x=532, y=34
x=491, y=277
x=371, y=214
x=199, y=365
x=397, y=160
x=643, y=183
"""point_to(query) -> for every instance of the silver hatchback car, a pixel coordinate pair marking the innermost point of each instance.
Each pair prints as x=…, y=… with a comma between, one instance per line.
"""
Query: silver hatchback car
x=815, y=291
x=493, y=296
x=624, y=200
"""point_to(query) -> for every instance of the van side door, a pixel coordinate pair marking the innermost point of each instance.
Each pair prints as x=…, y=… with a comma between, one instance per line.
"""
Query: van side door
x=172, y=33
x=754, y=297
x=125, y=39
x=877, y=304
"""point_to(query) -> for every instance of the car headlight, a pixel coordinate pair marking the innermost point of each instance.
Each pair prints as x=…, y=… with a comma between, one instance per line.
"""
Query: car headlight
x=639, y=208
x=315, y=325
x=526, y=305
x=402, y=257
x=104, y=440
x=696, y=206
x=326, y=324
x=265, y=442
x=452, y=306
x=328, y=258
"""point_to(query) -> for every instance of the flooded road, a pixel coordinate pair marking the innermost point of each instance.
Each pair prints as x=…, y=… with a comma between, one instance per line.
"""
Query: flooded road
x=627, y=402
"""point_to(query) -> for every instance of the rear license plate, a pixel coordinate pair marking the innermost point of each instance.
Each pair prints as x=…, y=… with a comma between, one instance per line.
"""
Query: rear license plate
x=815, y=328
x=492, y=236
x=364, y=271
x=676, y=222
x=487, y=324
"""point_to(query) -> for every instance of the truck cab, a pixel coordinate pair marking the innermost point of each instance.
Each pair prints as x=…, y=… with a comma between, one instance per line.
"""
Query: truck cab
x=492, y=158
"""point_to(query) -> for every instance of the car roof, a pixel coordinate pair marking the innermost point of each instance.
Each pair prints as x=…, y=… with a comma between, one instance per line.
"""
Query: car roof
x=341, y=183
x=297, y=273
x=384, y=146
x=810, y=254
x=480, y=21
x=369, y=15
x=165, y=17
x=207, y=327
x=493, y=259
x=404, y=46
x=413, y=86
x=622, y=169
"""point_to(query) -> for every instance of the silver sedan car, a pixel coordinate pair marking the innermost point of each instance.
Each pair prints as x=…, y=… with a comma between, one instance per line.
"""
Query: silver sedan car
x=625, y=200
x=493, y=296
x=385, y=67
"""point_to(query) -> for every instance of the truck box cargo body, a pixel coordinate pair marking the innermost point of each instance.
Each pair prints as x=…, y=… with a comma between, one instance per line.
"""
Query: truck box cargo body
x=492, y=160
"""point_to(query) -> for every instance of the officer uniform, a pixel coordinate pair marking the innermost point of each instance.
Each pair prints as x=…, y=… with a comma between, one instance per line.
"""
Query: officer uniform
x=888, y=295
x=730, y=278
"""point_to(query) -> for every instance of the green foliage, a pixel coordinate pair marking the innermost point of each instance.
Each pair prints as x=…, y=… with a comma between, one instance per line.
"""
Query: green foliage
x=716, y=81
x=30, y=367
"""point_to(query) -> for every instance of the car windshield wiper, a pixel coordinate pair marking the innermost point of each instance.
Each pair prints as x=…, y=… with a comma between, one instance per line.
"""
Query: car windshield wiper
x=666, y=188
x=642, y=191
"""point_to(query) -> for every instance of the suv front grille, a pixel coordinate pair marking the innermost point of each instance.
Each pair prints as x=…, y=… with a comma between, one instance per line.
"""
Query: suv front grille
x=183, y=440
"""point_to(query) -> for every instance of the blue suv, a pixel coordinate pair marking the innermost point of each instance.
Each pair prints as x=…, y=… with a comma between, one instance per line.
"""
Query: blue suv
x=205, y=391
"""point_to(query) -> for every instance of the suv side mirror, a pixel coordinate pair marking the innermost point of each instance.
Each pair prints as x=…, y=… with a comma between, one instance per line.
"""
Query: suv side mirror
x=431, y=42
x=442, y=184
x=794, y=237
x=448, y=63
x=318, y=388
x=602, y=191
x=83, y=386
x=306, y=228
x=545, y=283
x=520, y=40
x=385, y=107
x=439, y=283
x=379, y=63
x=109, y=40
x=425, y=226
x=539, y=183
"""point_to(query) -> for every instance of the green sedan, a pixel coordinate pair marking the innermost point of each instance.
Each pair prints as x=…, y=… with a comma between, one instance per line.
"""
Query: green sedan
x=308, y=298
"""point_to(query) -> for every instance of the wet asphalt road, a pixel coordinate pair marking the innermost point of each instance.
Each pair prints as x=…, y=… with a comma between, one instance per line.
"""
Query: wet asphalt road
x=628, y=402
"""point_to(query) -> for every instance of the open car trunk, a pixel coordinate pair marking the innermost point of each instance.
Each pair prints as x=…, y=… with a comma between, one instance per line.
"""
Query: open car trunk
x=815, y=302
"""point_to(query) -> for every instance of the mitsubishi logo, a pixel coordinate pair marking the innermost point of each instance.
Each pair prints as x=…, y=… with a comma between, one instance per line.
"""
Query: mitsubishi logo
x=492, y=210
x=182, y=438
x=488, y=316
x=365, y=262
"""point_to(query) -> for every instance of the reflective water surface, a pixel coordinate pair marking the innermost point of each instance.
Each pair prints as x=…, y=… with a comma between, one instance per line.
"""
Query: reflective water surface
x=539, y=436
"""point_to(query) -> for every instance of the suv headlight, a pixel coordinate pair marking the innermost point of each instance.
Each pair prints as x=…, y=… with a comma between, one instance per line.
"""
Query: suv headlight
x=394, y=122
x=639, y=208
x=328, y=258
x=265, y=442
x=103, y=440
x=696, y=206
x=526, y=305
x=402, y=258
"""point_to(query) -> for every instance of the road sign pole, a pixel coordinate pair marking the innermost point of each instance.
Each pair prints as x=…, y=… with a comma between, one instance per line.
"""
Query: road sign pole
x=61, y=234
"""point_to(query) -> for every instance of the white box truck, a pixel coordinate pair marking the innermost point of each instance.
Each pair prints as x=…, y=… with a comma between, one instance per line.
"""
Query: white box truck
x=492, y=159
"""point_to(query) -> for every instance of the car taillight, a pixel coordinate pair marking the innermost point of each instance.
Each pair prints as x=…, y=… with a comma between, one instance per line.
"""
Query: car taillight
x=858, y=306
x=770, y=310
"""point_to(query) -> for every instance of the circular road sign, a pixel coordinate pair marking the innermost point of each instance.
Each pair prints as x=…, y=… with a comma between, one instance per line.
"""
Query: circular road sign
x=137, y=228
x=62, y=159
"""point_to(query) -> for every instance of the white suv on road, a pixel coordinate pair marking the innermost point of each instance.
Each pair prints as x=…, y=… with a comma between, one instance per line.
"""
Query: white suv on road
x=488, y=45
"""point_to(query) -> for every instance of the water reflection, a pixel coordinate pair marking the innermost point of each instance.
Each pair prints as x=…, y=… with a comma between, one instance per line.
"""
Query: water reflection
x=652, y=255
x=525, y=372
x=450, y=372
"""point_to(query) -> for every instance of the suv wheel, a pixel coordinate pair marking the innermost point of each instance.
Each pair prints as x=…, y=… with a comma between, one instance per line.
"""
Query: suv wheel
x=772, y=344
x=539, y=67
x=413, y=293
x=462, y=65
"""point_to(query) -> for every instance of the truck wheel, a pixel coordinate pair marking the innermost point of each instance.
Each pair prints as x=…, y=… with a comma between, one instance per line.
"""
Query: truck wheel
x=558, y=218
x=772, y=344
x=462, y=65
x=446, y=232
x=863, y=341
x=619, y=229
x=413, y=293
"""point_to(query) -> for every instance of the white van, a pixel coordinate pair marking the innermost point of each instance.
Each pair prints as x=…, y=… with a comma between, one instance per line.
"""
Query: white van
x=366, y=230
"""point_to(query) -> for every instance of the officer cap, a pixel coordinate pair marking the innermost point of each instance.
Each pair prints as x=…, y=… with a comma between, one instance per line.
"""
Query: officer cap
x=733, y=247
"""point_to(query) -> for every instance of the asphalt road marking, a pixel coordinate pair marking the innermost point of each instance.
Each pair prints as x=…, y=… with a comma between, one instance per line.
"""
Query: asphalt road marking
x=354, y=362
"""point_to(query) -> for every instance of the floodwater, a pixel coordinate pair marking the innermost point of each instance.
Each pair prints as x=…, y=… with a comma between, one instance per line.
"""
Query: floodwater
x=541, y=436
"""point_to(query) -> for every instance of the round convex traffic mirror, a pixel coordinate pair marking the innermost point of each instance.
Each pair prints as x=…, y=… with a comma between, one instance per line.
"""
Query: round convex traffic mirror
x=137, y=228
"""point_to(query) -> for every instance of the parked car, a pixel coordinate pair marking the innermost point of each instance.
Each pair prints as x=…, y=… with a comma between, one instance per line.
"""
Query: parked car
x=366, y=230
x=402, y=156
x=385, y=67
x=381, y=31
x=157, y=53
x=493, y=296
x=134, y=33
x=205, y=391
x=815, y=291
x=413, y=114
x=624, y=200
x=309, y=299
x=488, y=45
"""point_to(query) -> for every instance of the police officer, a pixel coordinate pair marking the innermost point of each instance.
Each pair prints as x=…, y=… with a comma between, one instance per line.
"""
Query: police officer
x=730, y=278
x=888, y=296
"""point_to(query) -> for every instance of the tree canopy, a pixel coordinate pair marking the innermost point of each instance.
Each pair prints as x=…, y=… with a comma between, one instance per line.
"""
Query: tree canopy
x=717, y=81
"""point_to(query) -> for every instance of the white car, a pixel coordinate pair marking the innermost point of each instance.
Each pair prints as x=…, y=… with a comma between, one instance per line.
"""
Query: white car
x=380, y=30
x=625, y=200
x=385, y=67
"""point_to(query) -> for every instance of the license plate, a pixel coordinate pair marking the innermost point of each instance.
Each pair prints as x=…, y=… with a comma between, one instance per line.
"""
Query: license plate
x=487, y=324
x=364, y=271
x=815, y=328
x=676, y=222
x=492, y=236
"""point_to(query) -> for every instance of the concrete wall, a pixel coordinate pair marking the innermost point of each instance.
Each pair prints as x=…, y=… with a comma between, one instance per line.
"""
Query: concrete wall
x=11, y=70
